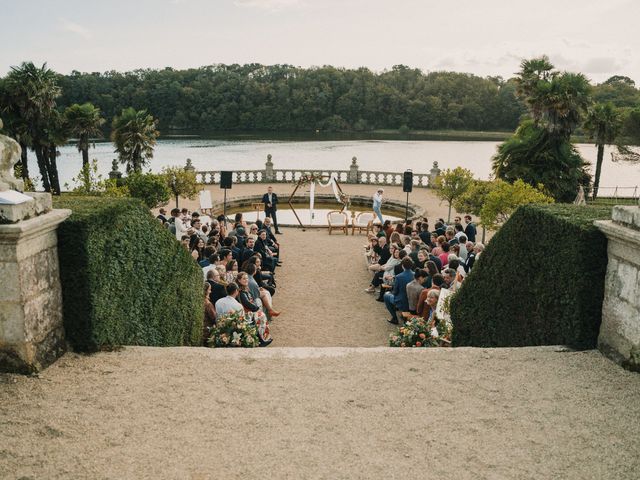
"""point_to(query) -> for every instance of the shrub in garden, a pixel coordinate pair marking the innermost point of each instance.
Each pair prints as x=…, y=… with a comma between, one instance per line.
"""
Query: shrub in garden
x=125, y=279
x=540, y=281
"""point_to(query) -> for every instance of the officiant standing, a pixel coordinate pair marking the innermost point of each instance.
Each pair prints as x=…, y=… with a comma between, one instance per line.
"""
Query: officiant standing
x=270, y=201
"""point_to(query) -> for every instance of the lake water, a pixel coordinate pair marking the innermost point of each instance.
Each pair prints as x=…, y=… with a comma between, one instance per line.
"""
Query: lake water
x=382, y=155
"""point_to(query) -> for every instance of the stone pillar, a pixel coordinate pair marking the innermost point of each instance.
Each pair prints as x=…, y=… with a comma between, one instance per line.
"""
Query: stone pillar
x=31, y=326
x=269, y=175
x=115, y=174
x=619, y=336
x=353, y=176
x=433, y=174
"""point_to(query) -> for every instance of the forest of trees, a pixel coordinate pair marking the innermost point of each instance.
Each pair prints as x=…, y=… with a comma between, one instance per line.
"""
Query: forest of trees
x=288, y=98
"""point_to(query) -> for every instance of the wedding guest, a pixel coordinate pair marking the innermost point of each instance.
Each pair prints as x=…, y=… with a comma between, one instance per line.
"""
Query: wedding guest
x=229, y=304
x=414, y=288
x=209, y=314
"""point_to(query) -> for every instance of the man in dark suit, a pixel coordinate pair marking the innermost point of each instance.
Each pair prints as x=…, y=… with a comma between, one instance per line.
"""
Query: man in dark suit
x=398, y=299
x=270, y=201
x=470, y=230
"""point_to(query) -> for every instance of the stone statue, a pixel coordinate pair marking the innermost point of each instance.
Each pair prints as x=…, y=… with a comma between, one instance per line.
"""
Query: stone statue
x=10, y=152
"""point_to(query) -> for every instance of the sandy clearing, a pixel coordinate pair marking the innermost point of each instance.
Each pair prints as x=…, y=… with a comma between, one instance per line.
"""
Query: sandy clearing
x=187, y=413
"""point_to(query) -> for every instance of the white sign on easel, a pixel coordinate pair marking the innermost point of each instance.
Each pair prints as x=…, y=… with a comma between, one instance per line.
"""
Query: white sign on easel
x=205, y=200
x=442, y=309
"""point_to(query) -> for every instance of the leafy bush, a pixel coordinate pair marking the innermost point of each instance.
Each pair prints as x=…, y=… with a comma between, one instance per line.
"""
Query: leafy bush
x=148, y=187
x=540, y=281
x=125, y=279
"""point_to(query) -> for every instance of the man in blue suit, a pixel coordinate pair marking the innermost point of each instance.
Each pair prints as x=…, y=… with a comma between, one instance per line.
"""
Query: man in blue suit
x=270, y=201
x=397, y=299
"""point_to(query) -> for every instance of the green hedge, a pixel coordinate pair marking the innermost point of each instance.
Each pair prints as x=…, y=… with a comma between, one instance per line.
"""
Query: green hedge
x=540, y=281
x=125, y=279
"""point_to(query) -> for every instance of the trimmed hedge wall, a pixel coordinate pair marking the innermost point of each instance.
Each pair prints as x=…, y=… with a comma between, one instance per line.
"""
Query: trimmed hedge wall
x=125, y=279
x=540, y=281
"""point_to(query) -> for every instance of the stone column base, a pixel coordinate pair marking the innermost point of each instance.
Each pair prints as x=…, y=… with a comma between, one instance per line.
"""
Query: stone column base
x=619, y=337
x=31, y=324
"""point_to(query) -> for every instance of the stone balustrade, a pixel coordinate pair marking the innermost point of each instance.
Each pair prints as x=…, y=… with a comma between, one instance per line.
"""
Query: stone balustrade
x=352, y=176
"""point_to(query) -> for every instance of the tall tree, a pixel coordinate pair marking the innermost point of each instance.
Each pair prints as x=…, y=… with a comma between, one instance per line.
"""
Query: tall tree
x=603, y=124
x=541, y=151
x=84, y=122
x=452, y=184
x=33, y=92
x=134, y=134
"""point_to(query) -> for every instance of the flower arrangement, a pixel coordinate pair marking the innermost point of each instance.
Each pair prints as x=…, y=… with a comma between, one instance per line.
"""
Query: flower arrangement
x=233, y=330
x=418, y=332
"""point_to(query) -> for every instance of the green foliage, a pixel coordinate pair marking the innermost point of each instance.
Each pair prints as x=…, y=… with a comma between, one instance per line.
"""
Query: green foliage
x=452, y=184
x=134, y=134
x=28, y=97
x=540, y=152
x=90, y=183
x=125, y=279
x=404, y=129
x=84, y=122
x=287, y=98
x=475, y=197
x=540, y=281
x=602, y=124
x=536, y=156
x=181, y=182
x=152, y=189
x=504, y=198
x=233, y=330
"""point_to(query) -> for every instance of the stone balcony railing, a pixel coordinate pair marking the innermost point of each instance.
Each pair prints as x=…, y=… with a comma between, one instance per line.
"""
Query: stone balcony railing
x=352, y=176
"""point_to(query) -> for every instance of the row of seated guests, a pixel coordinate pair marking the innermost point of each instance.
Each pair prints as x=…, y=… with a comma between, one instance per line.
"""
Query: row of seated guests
x=237, y=264
x=410, y=263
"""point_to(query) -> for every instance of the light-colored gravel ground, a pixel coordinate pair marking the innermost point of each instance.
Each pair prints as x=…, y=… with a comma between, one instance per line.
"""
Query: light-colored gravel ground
x=321, y=293
x=530, y=413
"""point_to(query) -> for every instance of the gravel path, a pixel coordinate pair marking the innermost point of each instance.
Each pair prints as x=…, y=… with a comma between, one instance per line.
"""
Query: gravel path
x=321, y=293
x=189, y=413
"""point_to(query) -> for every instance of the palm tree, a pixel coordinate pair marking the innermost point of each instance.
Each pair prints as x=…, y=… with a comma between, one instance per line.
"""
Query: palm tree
x=33, y=92
x=134, y=134
x=533, y=79
x=603, y=124
x=84, y=122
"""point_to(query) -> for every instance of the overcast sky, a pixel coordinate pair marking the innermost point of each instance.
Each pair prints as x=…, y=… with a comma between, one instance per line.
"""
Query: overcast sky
x=485, y=37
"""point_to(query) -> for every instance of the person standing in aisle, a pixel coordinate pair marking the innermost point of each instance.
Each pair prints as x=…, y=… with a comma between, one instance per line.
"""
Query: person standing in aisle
x=270, y=201
x=377, y=204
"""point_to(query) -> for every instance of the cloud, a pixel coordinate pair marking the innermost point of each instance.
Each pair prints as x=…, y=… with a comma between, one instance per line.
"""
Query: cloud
x=601, y=65
x=268, y=4
x=69, y=26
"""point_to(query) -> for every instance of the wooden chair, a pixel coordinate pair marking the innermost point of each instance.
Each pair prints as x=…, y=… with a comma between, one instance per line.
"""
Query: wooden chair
x=338, y=220
x=364, y=220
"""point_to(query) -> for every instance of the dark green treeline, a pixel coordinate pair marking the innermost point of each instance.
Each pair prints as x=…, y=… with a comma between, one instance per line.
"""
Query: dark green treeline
x=288, y=98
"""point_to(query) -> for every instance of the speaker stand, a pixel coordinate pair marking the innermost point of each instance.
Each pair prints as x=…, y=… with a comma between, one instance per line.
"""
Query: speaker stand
x=224, y=208
x=406, y=209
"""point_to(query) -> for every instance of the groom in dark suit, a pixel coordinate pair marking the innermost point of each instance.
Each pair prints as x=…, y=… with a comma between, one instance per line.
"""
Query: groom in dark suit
x=270, y=201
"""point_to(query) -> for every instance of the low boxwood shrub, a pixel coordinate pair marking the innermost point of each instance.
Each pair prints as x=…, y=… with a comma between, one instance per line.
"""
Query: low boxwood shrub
x=540, y=281
x=125, y=279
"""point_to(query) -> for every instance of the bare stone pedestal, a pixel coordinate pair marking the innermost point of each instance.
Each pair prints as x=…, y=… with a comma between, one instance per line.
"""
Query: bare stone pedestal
x=31, y=328
x=619, y=336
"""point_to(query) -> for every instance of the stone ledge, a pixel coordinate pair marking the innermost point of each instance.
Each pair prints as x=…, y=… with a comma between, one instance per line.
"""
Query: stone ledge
x=623, y=233
x=12, y=213
x=12, y=232
x=627, y=216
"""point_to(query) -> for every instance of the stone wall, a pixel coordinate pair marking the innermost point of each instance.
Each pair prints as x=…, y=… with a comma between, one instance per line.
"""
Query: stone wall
x=31, y=327
x=619, y=336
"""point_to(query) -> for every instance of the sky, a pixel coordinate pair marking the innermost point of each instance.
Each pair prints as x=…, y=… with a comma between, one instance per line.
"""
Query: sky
x=484, y=37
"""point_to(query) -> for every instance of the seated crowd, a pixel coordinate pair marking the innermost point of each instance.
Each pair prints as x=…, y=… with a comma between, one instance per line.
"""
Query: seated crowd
x=238, y=265
x=410, y=263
